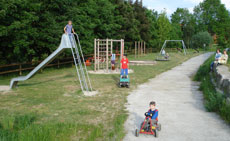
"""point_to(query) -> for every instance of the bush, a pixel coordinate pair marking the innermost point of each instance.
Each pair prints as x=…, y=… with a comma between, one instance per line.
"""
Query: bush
x=200, y=39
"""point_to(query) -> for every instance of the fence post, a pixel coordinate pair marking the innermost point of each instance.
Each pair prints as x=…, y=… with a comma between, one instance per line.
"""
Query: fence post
x=95, y=54
x=144, y=49
x=135, y=49
x=141, y=48
x=20, y=69
x=107, y=55
x=58, y=64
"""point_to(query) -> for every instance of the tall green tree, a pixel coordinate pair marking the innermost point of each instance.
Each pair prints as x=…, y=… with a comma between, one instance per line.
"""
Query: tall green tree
x=163, y=28
x=212, y=16
x=17, y=29
x=183, y=18
x=144, y=25
x=152, y=17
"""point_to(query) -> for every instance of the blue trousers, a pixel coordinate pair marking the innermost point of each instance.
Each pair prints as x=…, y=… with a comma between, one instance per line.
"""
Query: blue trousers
x=124, y=71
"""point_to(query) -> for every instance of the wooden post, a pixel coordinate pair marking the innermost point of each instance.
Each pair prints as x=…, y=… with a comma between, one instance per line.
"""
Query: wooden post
x=121, y=53
x=111, y=44
x=123, y=45
x=95, y=54
x=139, y=47
x=58, y=64
x=144, y=49
x=98, y=54
x=20, y=69
x=107, y=56
x=135, y=49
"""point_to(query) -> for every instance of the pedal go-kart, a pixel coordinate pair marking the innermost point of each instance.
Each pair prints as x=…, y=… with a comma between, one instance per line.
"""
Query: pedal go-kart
x=124, y=82
x=149, y=128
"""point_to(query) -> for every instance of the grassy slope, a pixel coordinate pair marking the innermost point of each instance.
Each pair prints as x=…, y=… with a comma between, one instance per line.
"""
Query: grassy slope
x=214, y=101
x=50, y=106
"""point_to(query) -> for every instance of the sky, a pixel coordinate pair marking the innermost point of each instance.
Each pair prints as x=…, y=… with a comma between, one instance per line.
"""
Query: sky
x=172, y=5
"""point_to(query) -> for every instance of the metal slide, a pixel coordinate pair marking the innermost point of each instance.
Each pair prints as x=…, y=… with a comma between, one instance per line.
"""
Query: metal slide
x=65, y=44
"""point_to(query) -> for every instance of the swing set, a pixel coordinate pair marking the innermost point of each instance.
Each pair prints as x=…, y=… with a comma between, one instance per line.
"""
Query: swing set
x=163, y=56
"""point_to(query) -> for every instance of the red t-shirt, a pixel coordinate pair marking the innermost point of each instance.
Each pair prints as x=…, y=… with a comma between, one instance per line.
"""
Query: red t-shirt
x=124, y=63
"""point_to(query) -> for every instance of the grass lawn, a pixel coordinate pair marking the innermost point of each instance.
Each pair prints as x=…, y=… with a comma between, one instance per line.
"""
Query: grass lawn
x=228, y=64
x=51, y=106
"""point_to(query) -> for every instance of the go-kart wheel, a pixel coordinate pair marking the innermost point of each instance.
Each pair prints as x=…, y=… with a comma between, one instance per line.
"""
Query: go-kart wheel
x=159, y=127
x=156, y=134
x=136, y=133
x=127, y=86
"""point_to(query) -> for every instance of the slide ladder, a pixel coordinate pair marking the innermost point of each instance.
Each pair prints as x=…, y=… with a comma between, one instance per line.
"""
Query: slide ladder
x=80, y=65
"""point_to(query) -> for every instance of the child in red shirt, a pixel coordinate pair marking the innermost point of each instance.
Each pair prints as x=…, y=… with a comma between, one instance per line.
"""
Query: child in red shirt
x=124, y=65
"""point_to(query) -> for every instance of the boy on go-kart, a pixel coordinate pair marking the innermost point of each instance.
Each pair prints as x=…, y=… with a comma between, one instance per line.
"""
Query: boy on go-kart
x=150, y=125
x=153, y=113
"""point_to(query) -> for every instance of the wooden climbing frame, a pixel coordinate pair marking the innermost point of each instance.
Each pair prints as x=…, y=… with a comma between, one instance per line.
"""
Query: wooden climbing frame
x=103, y=49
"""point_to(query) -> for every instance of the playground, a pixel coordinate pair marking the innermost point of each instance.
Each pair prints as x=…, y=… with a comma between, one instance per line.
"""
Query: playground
x=50, y=96
x=117, y=70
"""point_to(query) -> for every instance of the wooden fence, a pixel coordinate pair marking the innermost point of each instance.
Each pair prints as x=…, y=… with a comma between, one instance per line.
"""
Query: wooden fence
x=20, y=67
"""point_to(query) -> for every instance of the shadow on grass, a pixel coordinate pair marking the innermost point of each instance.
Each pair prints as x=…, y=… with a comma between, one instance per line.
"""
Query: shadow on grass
x=116, y=80
x=34, y=83
x=46, y=81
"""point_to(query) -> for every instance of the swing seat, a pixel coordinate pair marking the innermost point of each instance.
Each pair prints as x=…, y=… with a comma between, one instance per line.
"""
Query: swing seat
x=162, y=59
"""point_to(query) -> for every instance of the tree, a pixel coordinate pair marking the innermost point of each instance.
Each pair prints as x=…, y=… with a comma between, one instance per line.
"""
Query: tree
x=17, y=29
x=201, y=39
x=143, y=25
x=163, y=28
x=152, y=17
x=181, y=17
x=212, y=16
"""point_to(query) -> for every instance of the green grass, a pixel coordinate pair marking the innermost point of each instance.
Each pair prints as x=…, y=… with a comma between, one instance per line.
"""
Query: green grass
x=214, y=101
x=228, y=63
x=61, y=112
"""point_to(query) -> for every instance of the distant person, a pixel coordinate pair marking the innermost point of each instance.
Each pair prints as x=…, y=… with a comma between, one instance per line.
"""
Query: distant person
x=217, y=57
x=163, y=52
x=124, y=65
x=224, y=58
x=68, y=29
x=113, y=61
x=167, y=56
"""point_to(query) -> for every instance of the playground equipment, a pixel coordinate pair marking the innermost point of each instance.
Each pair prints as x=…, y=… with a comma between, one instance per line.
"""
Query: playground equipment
x=163, y=56
x=124, y=82
x=103, y=50
x=67, y=42
x=139, y=48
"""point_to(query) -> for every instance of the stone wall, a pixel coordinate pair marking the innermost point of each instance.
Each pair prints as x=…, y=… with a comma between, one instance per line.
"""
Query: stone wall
x=222, y=77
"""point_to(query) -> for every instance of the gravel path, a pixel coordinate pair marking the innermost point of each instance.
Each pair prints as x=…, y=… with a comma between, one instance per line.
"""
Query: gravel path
x=180, y=103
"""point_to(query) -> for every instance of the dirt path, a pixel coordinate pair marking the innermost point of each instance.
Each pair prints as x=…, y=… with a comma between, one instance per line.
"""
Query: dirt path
x=181, y=111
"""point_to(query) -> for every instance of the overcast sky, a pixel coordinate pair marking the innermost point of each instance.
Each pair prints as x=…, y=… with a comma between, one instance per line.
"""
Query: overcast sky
x=172, y=5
